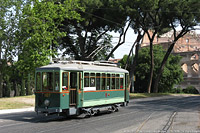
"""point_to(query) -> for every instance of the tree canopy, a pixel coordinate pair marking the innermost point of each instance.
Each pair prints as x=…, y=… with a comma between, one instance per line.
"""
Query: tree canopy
x=155, y=17
x=34, y=31
x=172, y=74
x=92, y=33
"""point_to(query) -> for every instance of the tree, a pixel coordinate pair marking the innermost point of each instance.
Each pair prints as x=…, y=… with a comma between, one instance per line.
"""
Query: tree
x=39, y=33
x=172, y=73
x=149, y=21
x=4, y=5
x=9, y=12
x=90, y=37
x=184, y=13
x=156, y=17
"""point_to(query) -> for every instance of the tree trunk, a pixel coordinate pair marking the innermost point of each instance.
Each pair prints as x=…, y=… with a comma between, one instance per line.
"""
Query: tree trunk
x=81, y=42
x=23, y=91
x=15, y=88
x=161, y=68
x=151, y=68
x=28, y=90
x=1, y=78
x=181, y=34
x=133, y=66
x=1, y=85
x=151, y=38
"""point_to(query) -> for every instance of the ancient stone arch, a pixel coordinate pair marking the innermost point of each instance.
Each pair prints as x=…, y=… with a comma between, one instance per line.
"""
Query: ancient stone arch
x=194, y=57
x=184, y=68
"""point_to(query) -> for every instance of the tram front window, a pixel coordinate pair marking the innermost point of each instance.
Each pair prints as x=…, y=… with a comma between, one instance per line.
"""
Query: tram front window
x=47, y=81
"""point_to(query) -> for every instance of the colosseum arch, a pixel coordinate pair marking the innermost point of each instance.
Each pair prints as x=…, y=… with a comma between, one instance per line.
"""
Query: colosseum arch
x=184, y=68
x=195, y=67
x=194, y=57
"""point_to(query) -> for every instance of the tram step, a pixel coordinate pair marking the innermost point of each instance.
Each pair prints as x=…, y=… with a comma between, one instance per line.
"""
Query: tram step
x=72, y=111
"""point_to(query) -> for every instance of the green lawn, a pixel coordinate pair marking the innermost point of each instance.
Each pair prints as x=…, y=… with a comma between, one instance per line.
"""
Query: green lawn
x=17, y=102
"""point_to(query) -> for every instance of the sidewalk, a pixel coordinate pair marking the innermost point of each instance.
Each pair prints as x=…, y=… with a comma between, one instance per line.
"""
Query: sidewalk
x=8, y=111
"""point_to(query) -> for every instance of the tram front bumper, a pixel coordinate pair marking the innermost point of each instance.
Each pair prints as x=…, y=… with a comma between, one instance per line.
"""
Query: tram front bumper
x=48, y=110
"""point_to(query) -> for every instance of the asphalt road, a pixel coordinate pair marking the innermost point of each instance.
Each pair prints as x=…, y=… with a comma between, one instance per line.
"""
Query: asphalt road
x=161, y=114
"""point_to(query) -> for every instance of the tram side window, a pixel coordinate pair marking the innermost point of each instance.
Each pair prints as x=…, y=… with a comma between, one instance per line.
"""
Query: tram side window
x=86, y=80
x=121, y=81
x=57, y=81
x=127, y=80
x=73, y=80
x=103, y=81
x=117, y=81
x=113, y=81
x=92, y=80
x=47, y=81
x=38, y=81
x=108, y=82
x=64, y=81
x=98, y=82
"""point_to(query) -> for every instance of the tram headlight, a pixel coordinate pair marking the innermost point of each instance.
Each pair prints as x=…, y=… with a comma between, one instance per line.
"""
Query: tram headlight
x=46, y=102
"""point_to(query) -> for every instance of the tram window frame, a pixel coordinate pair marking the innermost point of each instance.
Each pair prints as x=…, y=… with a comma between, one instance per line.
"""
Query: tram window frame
x=127, y=80
x=92, y=80
x=49, y=85
x=56, y=81
x=86, y=79
x=103, y=75
x=113, y=81
x=38, y=81
x=108, y=81
x=121, y=81
x=73, y=77
x=117, y=81
x=98, y=81
x=65, y=87
x=80, y=81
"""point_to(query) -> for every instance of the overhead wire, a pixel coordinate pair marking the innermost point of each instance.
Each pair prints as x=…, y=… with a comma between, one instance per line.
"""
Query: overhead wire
x=172, y=11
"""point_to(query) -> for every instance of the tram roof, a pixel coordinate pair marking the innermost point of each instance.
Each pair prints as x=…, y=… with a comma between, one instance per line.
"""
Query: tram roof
x=84, y=66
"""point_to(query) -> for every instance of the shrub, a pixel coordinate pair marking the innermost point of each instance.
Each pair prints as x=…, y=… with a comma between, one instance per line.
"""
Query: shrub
x=176, y=90
x=190, y=90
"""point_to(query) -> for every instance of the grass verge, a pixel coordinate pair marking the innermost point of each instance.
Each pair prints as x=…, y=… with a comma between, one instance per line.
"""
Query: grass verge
x=145, y=95
x=17, y=102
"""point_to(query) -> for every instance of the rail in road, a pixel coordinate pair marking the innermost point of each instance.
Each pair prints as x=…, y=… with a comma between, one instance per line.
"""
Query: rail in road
x=166, y=114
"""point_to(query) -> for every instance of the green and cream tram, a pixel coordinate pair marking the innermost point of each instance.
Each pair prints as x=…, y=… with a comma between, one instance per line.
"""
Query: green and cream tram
x=80, y=87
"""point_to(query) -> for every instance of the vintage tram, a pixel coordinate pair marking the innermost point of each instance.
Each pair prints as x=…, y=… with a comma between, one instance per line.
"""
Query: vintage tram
x=80, y=87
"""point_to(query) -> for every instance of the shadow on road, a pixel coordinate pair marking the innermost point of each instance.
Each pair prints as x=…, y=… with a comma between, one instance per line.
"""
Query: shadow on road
x=189, y=103
x=171, y=103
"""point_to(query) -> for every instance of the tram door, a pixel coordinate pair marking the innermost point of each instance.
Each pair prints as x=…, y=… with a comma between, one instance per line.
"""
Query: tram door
x=73, y=89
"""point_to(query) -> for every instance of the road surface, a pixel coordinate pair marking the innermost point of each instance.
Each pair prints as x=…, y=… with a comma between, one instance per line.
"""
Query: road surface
x=160, y=114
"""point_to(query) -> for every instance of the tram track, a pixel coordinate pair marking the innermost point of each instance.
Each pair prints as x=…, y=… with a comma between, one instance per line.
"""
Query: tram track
x=143, y=123
x=75, y=124
x=115, y=117
x=138, y=114
x=170, y=121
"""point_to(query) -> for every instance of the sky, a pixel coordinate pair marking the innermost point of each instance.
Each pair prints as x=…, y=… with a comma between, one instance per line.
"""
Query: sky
x=130, y=38
x=124, y=48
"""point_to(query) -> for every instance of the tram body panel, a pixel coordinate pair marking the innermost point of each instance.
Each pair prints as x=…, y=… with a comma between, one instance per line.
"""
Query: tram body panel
x=103, y=97
x=66, y=88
